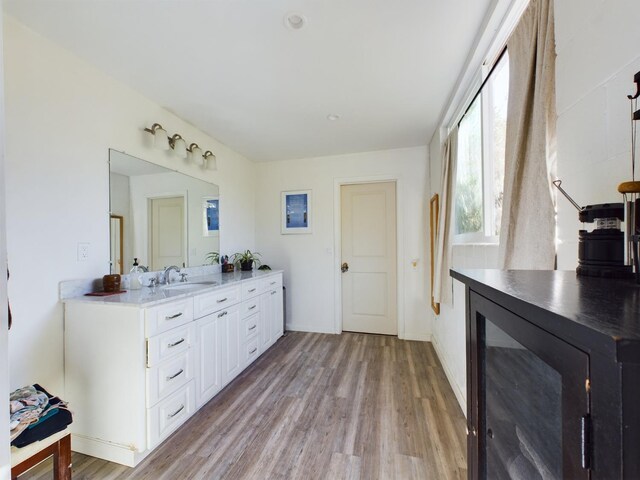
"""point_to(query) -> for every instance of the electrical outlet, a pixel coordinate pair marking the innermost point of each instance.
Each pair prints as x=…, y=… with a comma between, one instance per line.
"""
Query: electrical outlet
x=83, y=252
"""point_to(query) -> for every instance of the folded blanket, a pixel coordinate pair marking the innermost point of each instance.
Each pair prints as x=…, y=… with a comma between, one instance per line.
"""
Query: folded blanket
x=34, y=414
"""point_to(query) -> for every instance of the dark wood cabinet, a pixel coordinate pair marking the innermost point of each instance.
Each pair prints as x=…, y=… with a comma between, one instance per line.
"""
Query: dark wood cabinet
x=553, y=375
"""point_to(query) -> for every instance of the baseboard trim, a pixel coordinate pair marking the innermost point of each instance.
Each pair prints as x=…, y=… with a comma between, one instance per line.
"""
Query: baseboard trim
x=457, y=390
x=419, y=337
x=299, y=327
x=112, y=452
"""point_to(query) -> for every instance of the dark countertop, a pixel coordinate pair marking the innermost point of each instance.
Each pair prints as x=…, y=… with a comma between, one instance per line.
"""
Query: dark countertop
x=595, y=313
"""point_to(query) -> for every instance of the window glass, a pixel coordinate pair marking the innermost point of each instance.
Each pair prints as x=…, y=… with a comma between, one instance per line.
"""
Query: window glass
x=480, y=161
x=469, y=211
x=499, y=90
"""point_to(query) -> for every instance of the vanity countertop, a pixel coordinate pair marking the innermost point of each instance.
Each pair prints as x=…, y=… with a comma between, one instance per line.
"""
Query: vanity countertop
x=148, y=296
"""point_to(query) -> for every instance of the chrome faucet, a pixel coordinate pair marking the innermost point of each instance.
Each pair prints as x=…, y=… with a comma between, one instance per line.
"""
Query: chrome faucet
x=167, y=273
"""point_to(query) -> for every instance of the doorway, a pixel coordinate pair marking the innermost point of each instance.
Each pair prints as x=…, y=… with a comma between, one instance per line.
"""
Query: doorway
x=167, y=242
x=369, y=258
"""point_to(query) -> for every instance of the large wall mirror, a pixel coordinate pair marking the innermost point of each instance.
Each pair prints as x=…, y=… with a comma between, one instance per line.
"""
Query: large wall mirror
x=159, y=216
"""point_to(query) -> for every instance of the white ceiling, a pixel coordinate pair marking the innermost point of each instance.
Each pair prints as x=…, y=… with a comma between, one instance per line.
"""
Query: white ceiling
x=231, y=67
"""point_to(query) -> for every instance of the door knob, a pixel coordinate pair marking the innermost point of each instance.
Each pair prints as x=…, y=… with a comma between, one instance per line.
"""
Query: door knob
x=344, y=267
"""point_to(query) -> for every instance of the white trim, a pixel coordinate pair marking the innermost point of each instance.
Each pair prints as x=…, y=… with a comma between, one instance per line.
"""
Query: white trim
x=457, y=389
x=418, y=337
x=300, y=327
x=337, y=245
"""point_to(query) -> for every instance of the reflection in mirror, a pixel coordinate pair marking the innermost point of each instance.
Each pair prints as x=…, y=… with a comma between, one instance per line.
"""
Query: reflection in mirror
x=159, y=216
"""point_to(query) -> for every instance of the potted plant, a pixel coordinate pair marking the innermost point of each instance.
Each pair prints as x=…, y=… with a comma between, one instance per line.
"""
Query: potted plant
x=213, y=257
x=246, y=260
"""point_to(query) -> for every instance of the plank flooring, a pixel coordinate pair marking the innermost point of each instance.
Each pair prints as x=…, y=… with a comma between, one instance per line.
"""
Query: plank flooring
x=315, y=406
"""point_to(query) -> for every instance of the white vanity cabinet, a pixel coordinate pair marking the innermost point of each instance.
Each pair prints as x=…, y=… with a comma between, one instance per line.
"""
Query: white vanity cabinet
x=271, y=311
x=136, y=368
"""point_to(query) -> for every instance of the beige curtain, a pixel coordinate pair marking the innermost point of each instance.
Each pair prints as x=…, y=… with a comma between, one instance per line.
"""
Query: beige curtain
x=442, y=283
x=527, y=234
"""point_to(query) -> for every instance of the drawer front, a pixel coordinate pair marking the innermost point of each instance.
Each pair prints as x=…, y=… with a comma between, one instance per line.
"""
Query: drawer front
x=251, y=327
x=213, y=301
x=169, y=376
x=250, y=351
x=170, y=413
x=250, y=288
x=250, y=307
x=170, y=343
x=167, y=316
x=272, y=282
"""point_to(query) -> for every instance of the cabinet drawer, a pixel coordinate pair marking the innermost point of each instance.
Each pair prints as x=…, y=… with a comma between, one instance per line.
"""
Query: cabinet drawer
x=168, y=376
x=271, y=283
x=250, y=289
x=250, y=307
x=170, y=343
x=170, y=413
x=167, y=316
x=251, y=327
x=250, y=351
x=213, y=301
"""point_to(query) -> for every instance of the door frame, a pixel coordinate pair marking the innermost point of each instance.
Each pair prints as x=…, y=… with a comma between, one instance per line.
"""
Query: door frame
x=337, y=245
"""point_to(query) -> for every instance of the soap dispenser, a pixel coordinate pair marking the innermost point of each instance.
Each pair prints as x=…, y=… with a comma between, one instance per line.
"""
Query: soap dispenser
x=134, y=276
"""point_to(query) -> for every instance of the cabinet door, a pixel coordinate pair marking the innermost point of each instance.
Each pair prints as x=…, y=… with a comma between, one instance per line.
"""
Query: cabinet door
x=209, y=371
x=275, y=297
x=266, y=337
x=529, y=399
x=230, y=326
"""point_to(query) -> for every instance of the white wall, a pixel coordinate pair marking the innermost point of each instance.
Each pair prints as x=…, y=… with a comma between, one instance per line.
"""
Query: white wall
x=63, y=115
x=308, y=260
x=597, y=46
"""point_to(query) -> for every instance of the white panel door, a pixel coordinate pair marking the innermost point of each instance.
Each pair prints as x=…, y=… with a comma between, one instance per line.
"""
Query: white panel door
x=368, y=213
x=167, y=237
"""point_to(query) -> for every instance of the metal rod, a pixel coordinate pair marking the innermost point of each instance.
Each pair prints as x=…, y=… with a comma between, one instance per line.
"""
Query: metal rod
x=557, y=183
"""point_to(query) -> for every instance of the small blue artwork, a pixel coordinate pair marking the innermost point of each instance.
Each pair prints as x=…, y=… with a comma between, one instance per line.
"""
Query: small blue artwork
x=297, y=211
x=213, y=215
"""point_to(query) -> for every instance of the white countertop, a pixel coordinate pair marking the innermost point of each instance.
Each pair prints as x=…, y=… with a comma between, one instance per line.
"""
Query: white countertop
x=147, y=296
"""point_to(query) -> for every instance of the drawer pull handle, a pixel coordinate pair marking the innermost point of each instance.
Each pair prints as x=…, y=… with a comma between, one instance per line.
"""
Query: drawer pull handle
x=173, y=316
x=220, y=315
x=171, y=415
x=222, y=300
x=273, y=283
x=252, y=307
x=253, y=351
x=175, y=344
x=175, y=374
x=273, y=293
x=253, y=328
x=252, y=290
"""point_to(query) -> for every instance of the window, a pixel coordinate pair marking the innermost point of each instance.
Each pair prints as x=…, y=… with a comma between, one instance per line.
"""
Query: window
x=480, y=162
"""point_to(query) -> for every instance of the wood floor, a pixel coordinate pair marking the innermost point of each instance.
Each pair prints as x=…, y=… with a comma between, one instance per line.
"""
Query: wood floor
x=315, y=406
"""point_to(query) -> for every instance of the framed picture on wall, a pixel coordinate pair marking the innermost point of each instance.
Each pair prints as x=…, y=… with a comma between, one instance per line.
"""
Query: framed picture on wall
x=296, y=212
x=211, y=216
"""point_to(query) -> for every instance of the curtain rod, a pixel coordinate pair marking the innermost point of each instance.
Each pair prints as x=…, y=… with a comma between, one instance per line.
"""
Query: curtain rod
x=495, y=64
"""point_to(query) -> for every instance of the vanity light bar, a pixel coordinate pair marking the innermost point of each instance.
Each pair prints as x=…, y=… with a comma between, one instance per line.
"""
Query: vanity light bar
x=179, y=146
